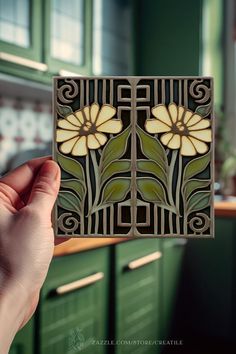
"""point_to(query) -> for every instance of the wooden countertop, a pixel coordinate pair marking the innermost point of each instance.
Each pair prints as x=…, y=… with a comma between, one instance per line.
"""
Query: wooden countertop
x=225, y=209
x=80, y=244
x=222, y=209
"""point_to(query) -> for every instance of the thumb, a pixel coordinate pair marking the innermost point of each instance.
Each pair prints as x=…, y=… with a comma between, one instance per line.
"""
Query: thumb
x=45, y=188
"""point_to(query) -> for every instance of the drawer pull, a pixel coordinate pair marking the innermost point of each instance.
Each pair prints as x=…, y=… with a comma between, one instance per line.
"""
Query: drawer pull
x=23, y=61
x=79, y=284
x=137, y=263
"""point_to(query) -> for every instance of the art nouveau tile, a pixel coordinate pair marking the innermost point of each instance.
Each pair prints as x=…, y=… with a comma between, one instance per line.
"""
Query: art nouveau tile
x=136, y=155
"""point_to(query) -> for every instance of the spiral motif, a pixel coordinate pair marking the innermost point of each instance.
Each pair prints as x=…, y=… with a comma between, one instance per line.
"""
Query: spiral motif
x=199, y=223
x=68, y=91
x=199, y=91
x=68, y=223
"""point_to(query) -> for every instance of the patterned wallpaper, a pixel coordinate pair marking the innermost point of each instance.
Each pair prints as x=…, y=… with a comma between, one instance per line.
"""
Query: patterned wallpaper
x=25, y=130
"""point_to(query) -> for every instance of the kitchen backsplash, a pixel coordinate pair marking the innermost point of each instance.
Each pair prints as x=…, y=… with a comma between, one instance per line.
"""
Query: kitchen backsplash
x=25, y=131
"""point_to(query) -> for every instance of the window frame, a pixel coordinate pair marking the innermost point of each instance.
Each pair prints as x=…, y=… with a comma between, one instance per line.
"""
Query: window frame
x=55, y=66
x=34, y=51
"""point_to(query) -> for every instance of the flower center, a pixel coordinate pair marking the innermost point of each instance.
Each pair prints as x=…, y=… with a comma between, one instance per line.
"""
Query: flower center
x=180, y=128
x=87, y=128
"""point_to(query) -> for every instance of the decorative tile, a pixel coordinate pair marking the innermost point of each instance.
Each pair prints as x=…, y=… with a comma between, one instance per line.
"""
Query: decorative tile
x=136, y=156
x=24, y=126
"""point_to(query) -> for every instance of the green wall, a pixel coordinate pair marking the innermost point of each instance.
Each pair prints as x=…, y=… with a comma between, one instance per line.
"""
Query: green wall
x=167, y=37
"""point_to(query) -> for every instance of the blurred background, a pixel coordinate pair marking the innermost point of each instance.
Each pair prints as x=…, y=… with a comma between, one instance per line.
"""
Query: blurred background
x=188, y=294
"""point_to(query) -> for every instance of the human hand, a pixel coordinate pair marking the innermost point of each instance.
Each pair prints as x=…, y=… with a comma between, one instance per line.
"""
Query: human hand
x=27, y=196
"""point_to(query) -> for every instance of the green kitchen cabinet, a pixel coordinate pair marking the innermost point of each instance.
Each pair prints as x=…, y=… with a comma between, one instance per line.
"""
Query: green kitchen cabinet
x=24, y=340
x=68, y=36
x=21, y=37
x=73, y=307
x=137, y=295
x=208, y=290
x=41, y=38
x=172, y=266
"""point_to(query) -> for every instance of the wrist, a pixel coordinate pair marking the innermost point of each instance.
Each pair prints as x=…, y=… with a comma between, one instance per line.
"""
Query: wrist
x=13, y=302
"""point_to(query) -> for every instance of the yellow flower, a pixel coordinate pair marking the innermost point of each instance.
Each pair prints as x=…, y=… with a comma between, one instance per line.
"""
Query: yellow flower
x=184, y=129
x=83, y=129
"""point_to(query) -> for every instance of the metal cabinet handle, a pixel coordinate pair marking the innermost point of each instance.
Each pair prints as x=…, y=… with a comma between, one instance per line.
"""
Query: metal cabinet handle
x=140, y=262
x=79, y=284
x=23, y=61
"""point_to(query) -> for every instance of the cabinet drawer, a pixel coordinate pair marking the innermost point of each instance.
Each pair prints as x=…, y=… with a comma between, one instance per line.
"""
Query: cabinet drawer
x=73, y=304
x=24, y=340
x=137, y=294
x=173, y=252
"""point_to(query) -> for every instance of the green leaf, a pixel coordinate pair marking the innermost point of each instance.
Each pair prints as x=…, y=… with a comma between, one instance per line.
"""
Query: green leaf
x=63, y=111
x=152, y=191
x=114, y=149
x=199, y=201
x=194, y=184
x=75, y=185
x=71, y=166
x=68, y=201
x=204, y=110
x=152, y=167
x=196, y=166
x=116, y=190
x=152, y=148
x=114, y=167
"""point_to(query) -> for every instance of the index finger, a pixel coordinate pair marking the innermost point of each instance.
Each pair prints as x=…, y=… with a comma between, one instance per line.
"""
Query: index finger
x=21, y=178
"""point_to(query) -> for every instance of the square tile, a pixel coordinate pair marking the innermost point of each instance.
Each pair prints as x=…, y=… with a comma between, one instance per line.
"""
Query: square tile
x=136, y=156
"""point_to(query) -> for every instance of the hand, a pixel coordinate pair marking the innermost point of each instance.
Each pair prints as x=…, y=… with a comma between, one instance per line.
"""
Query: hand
x=27, y=196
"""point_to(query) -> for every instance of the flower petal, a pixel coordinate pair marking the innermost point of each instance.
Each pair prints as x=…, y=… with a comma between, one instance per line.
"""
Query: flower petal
x=174, y=143
x=200, y=146
x=161, y=113
x=72, y=119
x=94, y=112
x=64, y=124
x=101, y=138
x=63, y=135
x=204, y=135
x=67, y=146
x=79, y=116
x=165, y=138
x=93, y=143
x=187, y=148
x=204, y=123
x=86, y=112
x=173, y=112
x=111, y=126
x=193, y=120
x=156, y=126
x=106, y=112
x=80, y=147
x=187, y=115
x=180, y=113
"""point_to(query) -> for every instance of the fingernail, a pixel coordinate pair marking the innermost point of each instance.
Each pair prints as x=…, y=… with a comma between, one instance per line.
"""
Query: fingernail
x=49, y=169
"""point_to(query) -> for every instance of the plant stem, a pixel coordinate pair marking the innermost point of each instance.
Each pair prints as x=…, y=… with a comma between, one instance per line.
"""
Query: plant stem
x=97, y=178
x=170, y=177
x=178, y=194
x=89, y=194
x=170, y=187
x=81, y=223
x=97, y=188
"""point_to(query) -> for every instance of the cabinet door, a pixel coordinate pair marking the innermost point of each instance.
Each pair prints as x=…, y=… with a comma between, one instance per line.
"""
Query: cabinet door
x=24, y=340
x=68, y=36
x=20, y=31
x=173, y=250
x=137, y=296
x=72, y=312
